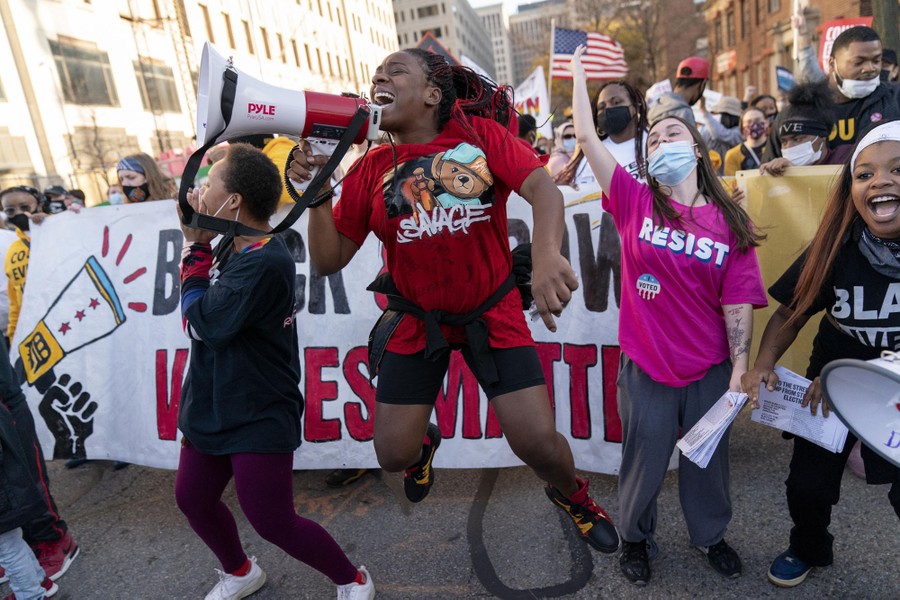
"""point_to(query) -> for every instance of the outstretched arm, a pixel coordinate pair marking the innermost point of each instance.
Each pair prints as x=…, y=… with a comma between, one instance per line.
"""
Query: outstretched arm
x=776, y=339
x=602, y=162
x=739, y=328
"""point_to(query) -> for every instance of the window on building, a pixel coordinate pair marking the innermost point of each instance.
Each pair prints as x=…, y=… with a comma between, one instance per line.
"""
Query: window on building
x=228, y=30
x=774, y=5
x=759, y=9
x=296, y=52
x=265, y=40
x=717, y=35
x=729, y=28
x=319, y=60
x=281, y=51
x=745, y=18
x=208, y=23
x=157, y=84
x=321, y=12
x=84, y=72
x=865, y=8
x=2, y=93
x=249, y=36
x=337, y=13
x=436, y=32
x=427, y=11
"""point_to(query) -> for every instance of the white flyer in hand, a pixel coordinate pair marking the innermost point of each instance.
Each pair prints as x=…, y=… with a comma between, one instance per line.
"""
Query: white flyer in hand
x=700, y=443
x=781, y=409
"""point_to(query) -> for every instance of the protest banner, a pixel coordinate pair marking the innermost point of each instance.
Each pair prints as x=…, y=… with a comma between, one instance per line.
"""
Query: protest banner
x=829, y=31
x=788, y=210
x=531, y=98
x=103, y=355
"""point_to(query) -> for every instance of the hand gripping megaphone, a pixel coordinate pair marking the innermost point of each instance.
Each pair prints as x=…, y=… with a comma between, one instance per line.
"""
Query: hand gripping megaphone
x=865, y=395
x=231, y=104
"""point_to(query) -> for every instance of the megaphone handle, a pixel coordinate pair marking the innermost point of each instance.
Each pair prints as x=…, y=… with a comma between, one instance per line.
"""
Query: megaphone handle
x=319, y=148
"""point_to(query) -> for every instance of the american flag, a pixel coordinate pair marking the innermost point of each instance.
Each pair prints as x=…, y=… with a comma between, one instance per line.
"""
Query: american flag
x=604, y=58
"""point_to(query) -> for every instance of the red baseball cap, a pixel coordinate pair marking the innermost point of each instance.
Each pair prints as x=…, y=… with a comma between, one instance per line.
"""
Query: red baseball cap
x=693, y=67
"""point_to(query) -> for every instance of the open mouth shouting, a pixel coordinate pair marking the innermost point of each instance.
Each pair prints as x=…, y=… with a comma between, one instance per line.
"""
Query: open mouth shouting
x=884, y=207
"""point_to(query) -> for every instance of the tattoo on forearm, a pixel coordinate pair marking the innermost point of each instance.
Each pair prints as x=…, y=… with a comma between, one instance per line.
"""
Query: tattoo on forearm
x=738, y=340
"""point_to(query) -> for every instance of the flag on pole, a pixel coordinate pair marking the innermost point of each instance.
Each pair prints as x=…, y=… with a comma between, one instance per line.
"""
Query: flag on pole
x=604, y=58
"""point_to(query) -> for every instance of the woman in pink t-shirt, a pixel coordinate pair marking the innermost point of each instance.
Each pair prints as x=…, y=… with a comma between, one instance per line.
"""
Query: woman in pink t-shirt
x=690, y=280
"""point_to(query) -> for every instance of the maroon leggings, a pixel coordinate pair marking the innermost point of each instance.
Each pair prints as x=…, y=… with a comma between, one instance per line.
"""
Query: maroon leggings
x=264, y=487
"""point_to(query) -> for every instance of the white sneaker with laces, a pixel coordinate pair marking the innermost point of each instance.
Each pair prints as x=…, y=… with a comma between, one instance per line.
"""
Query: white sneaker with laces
x=232, y=587
x=356, y=591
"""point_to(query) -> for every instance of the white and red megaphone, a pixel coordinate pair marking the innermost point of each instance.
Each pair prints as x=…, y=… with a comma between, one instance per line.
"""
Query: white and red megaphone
x=866, y=397
x=260, y=108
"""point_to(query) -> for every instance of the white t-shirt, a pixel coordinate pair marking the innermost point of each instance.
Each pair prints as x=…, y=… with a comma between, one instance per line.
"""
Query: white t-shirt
x=624, y=155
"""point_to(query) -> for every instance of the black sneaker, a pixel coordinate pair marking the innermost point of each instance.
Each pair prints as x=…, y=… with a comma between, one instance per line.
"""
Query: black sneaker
x=593, y=523
x=418, y=479
x=634, y=563
x=342, y=477
x=723, y=559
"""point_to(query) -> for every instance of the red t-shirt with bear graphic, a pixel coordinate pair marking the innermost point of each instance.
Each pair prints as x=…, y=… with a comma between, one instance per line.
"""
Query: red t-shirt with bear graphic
x=446, y=238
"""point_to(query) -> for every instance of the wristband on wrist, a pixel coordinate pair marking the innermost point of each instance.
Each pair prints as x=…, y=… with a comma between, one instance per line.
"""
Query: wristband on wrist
x=321, y=199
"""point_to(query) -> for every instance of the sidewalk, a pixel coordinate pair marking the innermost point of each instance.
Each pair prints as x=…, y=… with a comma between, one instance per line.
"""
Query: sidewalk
x=481, y=533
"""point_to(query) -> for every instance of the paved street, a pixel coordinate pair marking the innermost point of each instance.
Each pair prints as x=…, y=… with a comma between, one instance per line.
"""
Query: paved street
x=481, y=533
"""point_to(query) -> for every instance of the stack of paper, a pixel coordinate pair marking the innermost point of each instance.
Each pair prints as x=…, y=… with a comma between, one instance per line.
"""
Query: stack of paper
x=781, y=409
x=699, y=444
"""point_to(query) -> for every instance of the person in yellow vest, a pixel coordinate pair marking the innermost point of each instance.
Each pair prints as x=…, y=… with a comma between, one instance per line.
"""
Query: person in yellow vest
x=22, y=205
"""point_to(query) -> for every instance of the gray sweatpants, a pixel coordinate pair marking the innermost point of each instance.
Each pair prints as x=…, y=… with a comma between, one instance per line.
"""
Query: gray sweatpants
x=651, y=415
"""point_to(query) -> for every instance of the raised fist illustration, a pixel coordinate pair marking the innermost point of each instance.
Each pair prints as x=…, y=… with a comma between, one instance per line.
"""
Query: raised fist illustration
x=69, y=413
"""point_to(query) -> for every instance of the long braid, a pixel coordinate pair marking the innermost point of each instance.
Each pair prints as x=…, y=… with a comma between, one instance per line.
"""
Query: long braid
x=464, y=92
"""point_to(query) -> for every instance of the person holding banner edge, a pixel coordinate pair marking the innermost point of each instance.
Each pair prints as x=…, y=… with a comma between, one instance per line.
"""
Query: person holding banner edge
x=241, y=405
x=851, y=270
x=685, y=325
x=436, y=197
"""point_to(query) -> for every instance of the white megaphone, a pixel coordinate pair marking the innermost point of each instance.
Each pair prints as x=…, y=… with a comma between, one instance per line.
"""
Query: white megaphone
x=866, y=397
x=260, y=108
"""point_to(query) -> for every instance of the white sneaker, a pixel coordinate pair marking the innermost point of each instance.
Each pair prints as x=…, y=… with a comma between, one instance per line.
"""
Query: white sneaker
x=356, y=591
x=232, y=587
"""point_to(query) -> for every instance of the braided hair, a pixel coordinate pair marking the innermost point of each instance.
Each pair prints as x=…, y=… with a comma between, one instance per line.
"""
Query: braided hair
x=464, y=92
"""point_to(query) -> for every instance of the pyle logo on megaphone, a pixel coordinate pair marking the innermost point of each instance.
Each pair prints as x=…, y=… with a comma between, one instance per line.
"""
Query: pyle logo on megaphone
x=262, y=112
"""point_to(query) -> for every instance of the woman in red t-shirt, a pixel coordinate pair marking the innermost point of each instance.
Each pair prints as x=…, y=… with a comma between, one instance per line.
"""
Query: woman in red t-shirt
x=436, y=197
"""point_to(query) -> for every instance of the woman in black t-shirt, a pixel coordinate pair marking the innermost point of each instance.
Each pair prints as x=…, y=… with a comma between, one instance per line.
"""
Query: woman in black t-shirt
x=851, y=270
x=241, y=402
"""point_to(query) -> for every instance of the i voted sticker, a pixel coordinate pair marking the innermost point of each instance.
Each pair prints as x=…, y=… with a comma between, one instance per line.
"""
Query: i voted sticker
x=648, y=286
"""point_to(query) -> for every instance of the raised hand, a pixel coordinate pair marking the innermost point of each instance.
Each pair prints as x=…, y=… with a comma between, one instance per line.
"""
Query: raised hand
x=69, y=413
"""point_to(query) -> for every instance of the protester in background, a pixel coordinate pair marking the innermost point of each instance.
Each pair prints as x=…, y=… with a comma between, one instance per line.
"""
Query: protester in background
x=22, y=205
x=241, y=405
x=620, y=119
x=114, y=196
x=890, y=72
x=528, y=129
x=802, y=138
x=467, y=300
x=690, y=82
x=142, y=180
x=696, y=307
x=855, y=254
x=563, y=148
x=755, y=129
x=720, y=126
x=766, y=103
x=76, y=196
x=54, y=201
x=544, y=146
x=854, y=69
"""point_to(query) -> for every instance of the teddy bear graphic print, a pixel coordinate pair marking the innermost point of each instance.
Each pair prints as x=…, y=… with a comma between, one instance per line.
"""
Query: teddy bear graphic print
x=444, y=192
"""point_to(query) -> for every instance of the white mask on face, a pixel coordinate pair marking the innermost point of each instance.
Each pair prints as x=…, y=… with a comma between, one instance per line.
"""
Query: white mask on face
x=803, y=154
x=218, y=210
x=857, y=88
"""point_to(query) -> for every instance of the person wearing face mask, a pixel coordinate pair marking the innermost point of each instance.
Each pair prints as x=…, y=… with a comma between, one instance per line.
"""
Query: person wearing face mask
x=755, y=129
x=620, y=118
x=802, y=136
x=55, y=200
x=767, y=104
x=889, y=69
x=22, y=204
x=720, y=125
x=854, y=81
x=142, y=180
x=690, y=281
x=563, y=148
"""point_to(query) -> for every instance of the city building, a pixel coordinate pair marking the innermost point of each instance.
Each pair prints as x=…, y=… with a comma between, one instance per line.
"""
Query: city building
x=453, y=23
x=530, y=32
x=85, y=82
x=496, y=21
x=749, y=38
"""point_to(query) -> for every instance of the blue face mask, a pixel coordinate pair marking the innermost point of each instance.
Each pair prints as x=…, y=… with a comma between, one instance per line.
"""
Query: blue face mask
x=116, y=198
x=672, y=162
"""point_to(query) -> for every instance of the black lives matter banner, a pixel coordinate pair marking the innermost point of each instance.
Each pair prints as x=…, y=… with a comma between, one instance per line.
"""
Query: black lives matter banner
x=103, y=355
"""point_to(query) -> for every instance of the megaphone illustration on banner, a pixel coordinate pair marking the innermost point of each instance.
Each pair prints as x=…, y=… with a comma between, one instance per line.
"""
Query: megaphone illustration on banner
x=86, y=310
x=261, y=108
x=866, y=397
